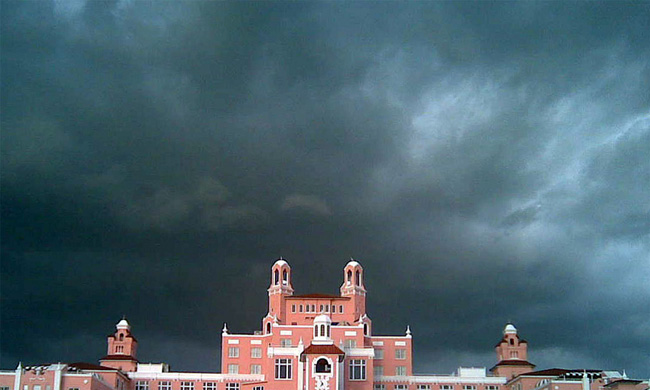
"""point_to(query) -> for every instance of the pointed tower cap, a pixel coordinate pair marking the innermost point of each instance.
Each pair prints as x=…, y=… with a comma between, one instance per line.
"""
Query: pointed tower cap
x=123, y=324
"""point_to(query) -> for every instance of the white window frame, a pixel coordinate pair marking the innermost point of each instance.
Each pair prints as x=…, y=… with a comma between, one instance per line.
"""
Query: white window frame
x=491, y=387
x=400, y=354
x=256, y=369
x=209, y=385
x=142, y=385
x=379, y=387
x=446, y=387
x=233, y=368
x=350, y=343
x=400, y=370
x=379, y=353
x=378, y=371
x=256, y=352
x=232, y=386
x=469, y=387
x=185, y=385
x=233, y=352
x=287, y=365
x=401, y=387
x=424, y=387
x=165, y=385
x=357, y=370
x=285, y=343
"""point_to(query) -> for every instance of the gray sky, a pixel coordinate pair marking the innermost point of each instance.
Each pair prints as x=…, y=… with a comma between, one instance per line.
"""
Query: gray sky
x=485, y=162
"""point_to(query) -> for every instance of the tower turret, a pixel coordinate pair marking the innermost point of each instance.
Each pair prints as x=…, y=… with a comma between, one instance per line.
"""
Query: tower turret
x=512, y=354
x=122, y=348
x=279, y=289
x=354, y=288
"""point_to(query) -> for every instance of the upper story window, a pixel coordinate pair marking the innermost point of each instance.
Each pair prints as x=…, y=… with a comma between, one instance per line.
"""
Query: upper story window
x=378, y=371
x=164, y=385
x=300, y=308
x=141, y=385
x=119, y=349
x=400, y=370
x=469, y=387
x=379, y=354
x=333, y=309
x=233, y=352
x=446, y=387
x=277, y=277
x=322, y=308
x=327, y=308
x=400, y=354
x=256, y=352
x=285, y=342
x=232, y=386
x=256, y=369
x=379, y=387
x=349, y=343
x=232, y=369
x=401, y=387
x=293, y=308
x=285, y=277
x=187, y=385
x=283, y=368
x=210, y=386
x=514, y=354
x=424, y=387
x=340, y=308
x=492, y=387
x=357, y=370
x=258, y=387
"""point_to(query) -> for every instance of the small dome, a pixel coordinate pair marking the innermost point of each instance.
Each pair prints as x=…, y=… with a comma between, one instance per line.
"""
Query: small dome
x=510, y=329
x=123, y=324
x=353, y=263
x=280, y=262
x=322, y=319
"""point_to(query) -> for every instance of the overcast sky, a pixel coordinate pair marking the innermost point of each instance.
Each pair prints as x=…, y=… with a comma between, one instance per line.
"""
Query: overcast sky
x=485, y=162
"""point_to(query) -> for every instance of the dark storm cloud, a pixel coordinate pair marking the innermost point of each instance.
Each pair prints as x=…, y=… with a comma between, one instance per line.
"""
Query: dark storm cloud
x=485, y=162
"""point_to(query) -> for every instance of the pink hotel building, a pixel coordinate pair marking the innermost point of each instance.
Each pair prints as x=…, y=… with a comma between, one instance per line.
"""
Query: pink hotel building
x=310, y=342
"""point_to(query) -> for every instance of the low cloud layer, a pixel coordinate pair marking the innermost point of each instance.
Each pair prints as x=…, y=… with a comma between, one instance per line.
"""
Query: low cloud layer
x=485, y=162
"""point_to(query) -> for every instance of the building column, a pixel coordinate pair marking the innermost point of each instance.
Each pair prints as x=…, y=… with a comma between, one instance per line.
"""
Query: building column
x=18, y=376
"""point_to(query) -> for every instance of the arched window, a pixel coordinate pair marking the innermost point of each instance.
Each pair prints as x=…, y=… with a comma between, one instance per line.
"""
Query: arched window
x=349, y=276
x=365, y=329
x=328, y=331
x=285, y=276
x=268, y=327
x=121, y=336
x=277, y=277
x=322, y=330
x=512, y=341
x=322, y=365
x=358, y=278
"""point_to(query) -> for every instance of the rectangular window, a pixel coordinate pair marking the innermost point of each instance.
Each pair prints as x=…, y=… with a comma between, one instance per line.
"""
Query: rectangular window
x=401, y=387
x=141, y=385
x=469, y=387
x=333, y=309
x=256, y=369
x=258, y=387
x=210, y=386
x=400, y=370
x=400, y=354
x=283, y=369
x=379, y=387
x=232, y=386
x=313, y=308
x=232, y=369
x=256, y=352
x=37, y=387
x=424, y=387
x=4, y=388
x=327, y=308
x=187, y=385
x=285, y=342
x=492, y=387
x=378, y=371
x=446, y=387
x=164, y=385
x=300, y=308
x=350, y=343
x=340, y=308
x=379, y=354
x=293, y=308
x=514, y=354
x=233, y=352
x=357, y=370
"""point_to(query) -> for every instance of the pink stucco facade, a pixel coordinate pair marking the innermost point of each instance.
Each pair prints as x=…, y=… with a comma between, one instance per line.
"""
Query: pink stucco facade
x=310, y=342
